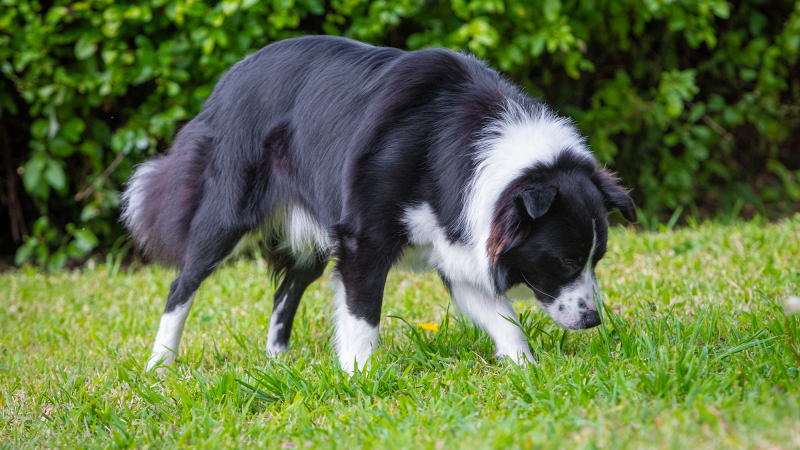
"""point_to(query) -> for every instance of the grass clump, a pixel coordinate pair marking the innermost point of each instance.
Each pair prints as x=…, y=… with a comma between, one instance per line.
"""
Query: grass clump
x=694, y=351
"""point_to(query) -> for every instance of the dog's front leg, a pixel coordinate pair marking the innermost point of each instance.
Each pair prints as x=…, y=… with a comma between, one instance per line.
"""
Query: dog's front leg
x=358, y=283
x=497, y=317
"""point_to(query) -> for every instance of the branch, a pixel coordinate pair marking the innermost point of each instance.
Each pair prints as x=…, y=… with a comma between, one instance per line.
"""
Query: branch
x=103, y=176
x=18, y=228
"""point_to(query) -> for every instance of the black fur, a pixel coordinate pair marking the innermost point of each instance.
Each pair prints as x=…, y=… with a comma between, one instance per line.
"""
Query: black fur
x=350, y=132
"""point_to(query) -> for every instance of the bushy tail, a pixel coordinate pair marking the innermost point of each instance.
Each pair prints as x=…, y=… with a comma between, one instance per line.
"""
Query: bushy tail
x=162, y=197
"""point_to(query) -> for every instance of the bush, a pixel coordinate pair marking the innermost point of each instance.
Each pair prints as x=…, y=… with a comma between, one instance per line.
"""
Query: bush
x=695, y=102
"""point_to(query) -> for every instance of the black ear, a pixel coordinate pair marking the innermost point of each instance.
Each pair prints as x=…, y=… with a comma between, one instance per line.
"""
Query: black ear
x=614, y=195
x=509, y=227
x=536, y=200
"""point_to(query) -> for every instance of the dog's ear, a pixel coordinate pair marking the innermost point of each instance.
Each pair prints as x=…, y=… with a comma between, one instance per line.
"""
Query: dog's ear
x=512, y=219
x=614, y=195
x=536, y=201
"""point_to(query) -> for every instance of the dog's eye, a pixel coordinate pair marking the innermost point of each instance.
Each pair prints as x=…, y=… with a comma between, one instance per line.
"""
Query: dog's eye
x=570, y=263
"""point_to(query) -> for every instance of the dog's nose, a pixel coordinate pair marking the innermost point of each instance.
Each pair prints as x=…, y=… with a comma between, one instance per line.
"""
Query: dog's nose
x=590, y=319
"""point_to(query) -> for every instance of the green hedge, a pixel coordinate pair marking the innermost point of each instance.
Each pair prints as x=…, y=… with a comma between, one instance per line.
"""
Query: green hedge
x=695, y=102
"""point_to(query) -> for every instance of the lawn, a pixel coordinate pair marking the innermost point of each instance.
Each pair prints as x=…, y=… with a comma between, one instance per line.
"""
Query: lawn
x=695, y=352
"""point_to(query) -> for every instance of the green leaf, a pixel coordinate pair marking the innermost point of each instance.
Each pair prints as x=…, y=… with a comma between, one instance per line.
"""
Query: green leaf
x=40, y=128
x=32, y=175
x=537, y=44
x=72, y=129
x=42, y=252
x=732, y=116
x=99, y=131
x=123, y=141
x=61, y=147
x=89, y=212
x=674, y=104
x=229, y=7
x=208, y=45
x=721, y=9
x=697, y=111
x=316, y=7
x=41, y=225
x=25, y=251
x=54, y=175
x=671, y=139
x=173, y=88
x=551, y=9
x=57, y=261
x=85, y=241
x=91, y=149
x=46, y=91
x=141, y=140
x=748, y=74
x=55, y=13
x=85, y=48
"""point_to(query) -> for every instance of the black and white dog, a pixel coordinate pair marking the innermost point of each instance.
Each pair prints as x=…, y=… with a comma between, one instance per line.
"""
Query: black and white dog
x=326, y=148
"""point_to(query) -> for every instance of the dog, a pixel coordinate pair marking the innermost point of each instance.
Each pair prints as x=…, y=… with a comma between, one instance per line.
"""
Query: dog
x=327, y=149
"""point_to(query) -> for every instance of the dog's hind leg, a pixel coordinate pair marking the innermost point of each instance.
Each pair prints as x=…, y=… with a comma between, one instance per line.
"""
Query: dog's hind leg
x=204, y=253
x=286, y=300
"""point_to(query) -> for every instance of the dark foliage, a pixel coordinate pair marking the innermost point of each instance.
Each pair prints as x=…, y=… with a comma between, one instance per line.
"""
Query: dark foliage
x=696, y=104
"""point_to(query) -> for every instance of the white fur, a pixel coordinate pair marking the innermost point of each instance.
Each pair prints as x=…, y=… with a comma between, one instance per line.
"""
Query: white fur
x=169, y=334
x=273, y=347
x=133, y=198
x=458, y=262
x=299, y=232
x=305, y=235
x=355, y=340
x=492, y=314
x=584, y=289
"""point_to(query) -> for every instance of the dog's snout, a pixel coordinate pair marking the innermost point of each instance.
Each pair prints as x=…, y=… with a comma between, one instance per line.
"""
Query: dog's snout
x=590, y=319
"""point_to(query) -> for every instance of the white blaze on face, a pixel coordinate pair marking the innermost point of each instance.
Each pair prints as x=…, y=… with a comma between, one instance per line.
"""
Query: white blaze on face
x=577, y=299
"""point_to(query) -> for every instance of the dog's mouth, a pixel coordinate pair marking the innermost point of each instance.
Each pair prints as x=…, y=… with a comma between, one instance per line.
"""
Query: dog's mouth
x=566, y=310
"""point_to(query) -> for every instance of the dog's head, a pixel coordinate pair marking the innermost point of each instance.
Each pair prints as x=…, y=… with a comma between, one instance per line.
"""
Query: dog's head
x=550, y=231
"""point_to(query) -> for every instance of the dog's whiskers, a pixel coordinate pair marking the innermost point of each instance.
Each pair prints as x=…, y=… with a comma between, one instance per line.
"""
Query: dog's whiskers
x=534, y=287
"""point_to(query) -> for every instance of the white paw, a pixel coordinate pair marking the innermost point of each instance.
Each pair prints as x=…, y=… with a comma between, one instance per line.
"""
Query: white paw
x=521, y=357
x=275, y=350
x=160, y=357
x=350, y=367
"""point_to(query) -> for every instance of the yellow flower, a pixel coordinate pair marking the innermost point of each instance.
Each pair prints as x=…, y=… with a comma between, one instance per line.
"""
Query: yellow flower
x=429, y=326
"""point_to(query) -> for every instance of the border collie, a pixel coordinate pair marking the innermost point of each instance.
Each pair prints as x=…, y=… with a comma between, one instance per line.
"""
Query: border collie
x=327, y=149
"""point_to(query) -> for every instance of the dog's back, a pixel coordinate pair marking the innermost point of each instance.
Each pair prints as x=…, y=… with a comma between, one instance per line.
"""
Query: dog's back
x=291, y=124
x=236, y=159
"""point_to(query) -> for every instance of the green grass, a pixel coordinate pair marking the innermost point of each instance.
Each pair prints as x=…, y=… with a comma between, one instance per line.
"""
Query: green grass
x=695, y=352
